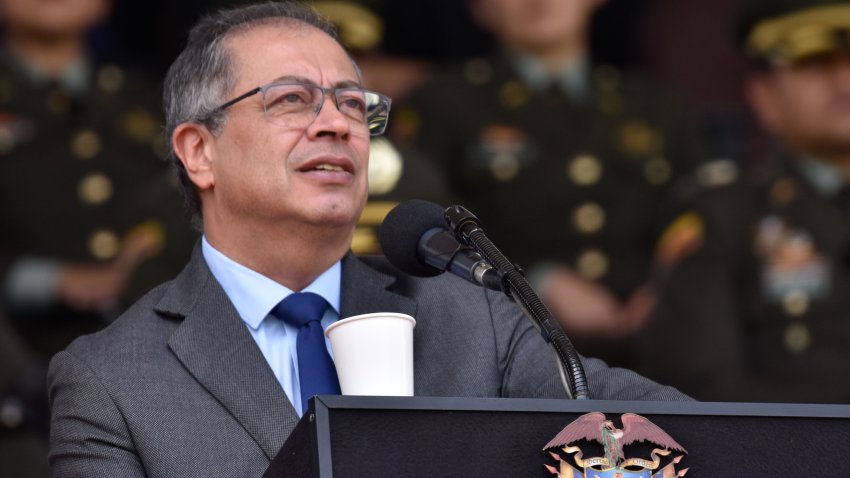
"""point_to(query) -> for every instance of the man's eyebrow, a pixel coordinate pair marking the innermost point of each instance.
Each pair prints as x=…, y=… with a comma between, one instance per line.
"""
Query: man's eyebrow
x=347, y=83
x=301, y=79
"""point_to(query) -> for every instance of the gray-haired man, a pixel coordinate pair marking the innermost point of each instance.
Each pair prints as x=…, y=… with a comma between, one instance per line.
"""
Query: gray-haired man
x=271, y=131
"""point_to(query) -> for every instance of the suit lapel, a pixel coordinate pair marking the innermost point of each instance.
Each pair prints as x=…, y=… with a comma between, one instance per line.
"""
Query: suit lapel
x=216, y=348
x=365, y=290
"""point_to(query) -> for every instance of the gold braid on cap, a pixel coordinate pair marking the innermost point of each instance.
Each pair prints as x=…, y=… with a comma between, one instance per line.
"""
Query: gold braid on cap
x=796, y=35
x=359, y=28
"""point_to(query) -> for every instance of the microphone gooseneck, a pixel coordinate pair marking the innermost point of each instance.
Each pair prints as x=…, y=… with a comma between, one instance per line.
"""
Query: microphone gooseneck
x=415, y=238
x=467, y=229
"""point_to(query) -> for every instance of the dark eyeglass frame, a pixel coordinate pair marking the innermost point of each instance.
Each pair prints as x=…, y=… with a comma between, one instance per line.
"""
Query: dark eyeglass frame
x=383, y=110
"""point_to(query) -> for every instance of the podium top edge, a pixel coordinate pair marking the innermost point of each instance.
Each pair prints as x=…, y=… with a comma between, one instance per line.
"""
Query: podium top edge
x=530, y=405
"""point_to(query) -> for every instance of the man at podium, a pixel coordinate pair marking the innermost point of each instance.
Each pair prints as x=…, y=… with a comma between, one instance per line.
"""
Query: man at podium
x=269, y=132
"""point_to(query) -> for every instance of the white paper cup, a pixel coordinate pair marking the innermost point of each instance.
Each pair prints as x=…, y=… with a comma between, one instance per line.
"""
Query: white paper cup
x=373, y=354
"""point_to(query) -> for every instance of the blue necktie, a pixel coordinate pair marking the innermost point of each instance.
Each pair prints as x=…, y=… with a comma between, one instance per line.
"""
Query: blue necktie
x=316, y=370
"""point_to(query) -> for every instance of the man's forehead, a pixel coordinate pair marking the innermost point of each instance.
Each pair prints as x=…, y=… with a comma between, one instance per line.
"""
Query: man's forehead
x=288, y=48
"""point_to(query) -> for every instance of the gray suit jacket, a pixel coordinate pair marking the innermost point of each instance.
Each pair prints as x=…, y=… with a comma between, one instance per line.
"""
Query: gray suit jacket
x=177, y=386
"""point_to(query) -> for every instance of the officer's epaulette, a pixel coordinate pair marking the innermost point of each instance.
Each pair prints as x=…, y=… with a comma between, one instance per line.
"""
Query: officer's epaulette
x=713, y=174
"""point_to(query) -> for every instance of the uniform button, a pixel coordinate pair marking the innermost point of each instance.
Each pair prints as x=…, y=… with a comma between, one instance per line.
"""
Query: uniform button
x=103, y=244
x=783, y=191
x=584, y=170
x=385, y=167
x=639, y=139
x=504, y=167
x=589, y=218
x=513, y=94
x=798, y=338
x=86, y=144
x=592, y=264
x=96, y=188
x=110, y=79
x=657, y=171
x=139, y=125
x=795, y=303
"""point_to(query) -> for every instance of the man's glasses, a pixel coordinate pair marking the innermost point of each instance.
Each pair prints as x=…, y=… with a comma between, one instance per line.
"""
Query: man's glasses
x=296, y=105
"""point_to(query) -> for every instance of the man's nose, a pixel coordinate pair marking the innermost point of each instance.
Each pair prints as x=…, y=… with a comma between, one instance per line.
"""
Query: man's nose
x=329, y=120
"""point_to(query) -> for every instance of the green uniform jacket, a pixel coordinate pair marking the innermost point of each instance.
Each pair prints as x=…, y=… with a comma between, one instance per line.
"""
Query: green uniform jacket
x=582, y=183
x=761, y=312
x=78, y=173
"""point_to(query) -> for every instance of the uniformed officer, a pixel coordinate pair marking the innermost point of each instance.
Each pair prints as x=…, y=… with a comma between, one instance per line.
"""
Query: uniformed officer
x=567, y=163
x=761, y=311
x=82, y=186
x=87, y=221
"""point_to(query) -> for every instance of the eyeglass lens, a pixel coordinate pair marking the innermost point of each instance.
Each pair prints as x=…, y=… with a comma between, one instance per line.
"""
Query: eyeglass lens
x=293, y=104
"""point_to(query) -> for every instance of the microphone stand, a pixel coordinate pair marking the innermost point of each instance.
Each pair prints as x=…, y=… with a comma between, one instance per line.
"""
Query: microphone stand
x=467, y=229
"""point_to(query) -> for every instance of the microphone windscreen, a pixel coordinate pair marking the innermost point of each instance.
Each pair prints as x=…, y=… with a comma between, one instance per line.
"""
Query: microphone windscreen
x=401, y=231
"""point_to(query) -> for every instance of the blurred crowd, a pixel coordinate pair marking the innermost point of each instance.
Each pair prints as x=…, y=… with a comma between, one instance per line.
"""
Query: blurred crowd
x=671, y=176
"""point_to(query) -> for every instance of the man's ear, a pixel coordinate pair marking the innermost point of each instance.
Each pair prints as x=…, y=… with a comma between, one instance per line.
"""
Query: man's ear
x=192, y=144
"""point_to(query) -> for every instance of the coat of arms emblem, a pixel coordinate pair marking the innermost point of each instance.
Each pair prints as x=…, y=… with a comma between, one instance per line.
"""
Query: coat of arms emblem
x=595, y=427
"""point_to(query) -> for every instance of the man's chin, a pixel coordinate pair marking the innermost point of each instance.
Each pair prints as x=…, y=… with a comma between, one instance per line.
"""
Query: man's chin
x=835, y=147
x=335, y=215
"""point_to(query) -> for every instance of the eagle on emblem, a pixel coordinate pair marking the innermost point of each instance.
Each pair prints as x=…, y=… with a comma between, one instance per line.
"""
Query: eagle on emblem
x=596, y=427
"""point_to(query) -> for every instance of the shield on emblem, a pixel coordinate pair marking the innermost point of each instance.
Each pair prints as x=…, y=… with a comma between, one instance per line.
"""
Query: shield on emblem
x=617, y=473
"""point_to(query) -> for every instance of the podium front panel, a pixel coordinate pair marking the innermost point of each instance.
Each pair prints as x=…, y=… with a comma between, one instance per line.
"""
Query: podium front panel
x=430, y=437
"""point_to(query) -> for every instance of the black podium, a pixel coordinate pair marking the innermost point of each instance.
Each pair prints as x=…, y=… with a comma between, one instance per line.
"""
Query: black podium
x=485, y=437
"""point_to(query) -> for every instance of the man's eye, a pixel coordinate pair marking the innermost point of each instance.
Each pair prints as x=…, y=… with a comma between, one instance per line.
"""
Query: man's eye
x=288, y=99
x=354, y=104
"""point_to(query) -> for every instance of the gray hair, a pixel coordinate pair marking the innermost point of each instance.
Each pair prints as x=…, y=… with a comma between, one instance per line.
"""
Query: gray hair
x=201, y=77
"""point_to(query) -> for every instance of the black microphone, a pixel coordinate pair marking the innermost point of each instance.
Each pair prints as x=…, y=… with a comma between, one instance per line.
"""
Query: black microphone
x=414, y=238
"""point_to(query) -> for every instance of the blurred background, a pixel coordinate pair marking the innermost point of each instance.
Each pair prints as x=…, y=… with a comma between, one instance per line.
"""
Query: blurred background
x=663, y=179
x=686, y=45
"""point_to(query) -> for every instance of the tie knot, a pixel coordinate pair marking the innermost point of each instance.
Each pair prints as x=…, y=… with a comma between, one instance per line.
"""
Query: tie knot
x=300, y=308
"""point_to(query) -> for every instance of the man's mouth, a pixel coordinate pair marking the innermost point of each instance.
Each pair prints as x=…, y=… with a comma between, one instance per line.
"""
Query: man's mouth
x=328, y=167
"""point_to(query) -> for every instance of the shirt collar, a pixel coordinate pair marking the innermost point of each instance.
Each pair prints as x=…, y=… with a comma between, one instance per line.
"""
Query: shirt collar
x=255, y=295
x=572, y=79
x=75, y=77
x=826, y=178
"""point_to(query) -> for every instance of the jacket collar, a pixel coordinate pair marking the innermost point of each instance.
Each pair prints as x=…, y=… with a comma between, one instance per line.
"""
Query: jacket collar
x=214, y=345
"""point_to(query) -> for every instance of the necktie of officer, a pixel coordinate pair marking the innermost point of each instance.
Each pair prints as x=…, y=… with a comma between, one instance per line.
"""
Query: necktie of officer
x=316, y=370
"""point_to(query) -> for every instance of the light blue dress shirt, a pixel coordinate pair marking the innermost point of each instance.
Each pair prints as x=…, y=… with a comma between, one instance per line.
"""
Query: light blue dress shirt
x=255, y=295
